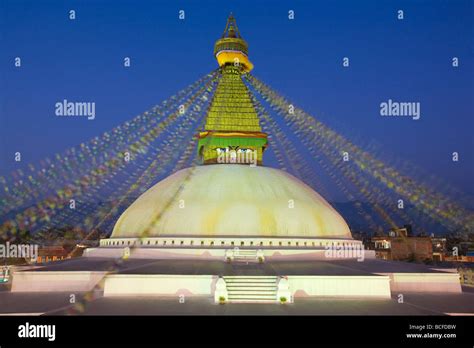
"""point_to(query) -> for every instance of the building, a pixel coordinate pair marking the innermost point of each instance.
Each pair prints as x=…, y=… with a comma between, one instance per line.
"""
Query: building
x=399, y=246
x=364, y=237
x=51, y=253
x=439, y=248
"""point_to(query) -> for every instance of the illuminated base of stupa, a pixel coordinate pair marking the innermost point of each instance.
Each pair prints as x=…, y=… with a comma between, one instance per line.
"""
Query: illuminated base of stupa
x=218, y=281
x=234, y=233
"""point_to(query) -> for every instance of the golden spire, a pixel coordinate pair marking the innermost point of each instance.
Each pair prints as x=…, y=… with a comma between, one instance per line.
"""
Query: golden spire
x=231, y=48
x=231, y=28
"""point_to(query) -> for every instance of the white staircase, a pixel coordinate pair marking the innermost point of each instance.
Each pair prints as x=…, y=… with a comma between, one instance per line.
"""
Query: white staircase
x=245, y=255
x=251, y=288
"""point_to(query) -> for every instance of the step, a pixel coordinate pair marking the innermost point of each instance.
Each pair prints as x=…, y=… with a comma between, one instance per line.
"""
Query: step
x=252, y=301
x=251, y=293
x=262, y=277
x=249, y=281
x=253, y=286
x=255, y=291
x=252, y=297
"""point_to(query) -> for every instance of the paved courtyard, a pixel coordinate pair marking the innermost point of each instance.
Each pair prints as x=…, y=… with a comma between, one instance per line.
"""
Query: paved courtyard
x=58, y=304
x=205, y=267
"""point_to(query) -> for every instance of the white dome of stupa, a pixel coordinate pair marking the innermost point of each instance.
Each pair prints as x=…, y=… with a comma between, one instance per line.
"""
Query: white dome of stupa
x=228, y=200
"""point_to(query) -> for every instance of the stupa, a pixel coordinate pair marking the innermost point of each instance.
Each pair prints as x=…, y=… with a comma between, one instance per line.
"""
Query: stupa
x=231, y=200
x=232, y=229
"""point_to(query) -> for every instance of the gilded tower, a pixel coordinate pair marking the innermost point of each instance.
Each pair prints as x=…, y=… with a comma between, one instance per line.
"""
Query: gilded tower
x=232, y=133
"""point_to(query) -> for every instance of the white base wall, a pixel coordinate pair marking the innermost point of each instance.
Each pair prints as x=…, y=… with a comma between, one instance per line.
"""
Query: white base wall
x=212, y=254
x=31, y=281
x=204, y=285
x=163, y=253
x=381, y=286
x=159, y=285
x=425, y=282
x=340, y=286
x=230, y=242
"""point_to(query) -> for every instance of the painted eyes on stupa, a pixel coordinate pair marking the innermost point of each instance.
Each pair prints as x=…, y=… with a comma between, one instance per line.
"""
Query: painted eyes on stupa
x=225, y=149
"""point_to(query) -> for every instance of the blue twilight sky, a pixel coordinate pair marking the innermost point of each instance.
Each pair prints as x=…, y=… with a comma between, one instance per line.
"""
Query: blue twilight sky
x=82, y=60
